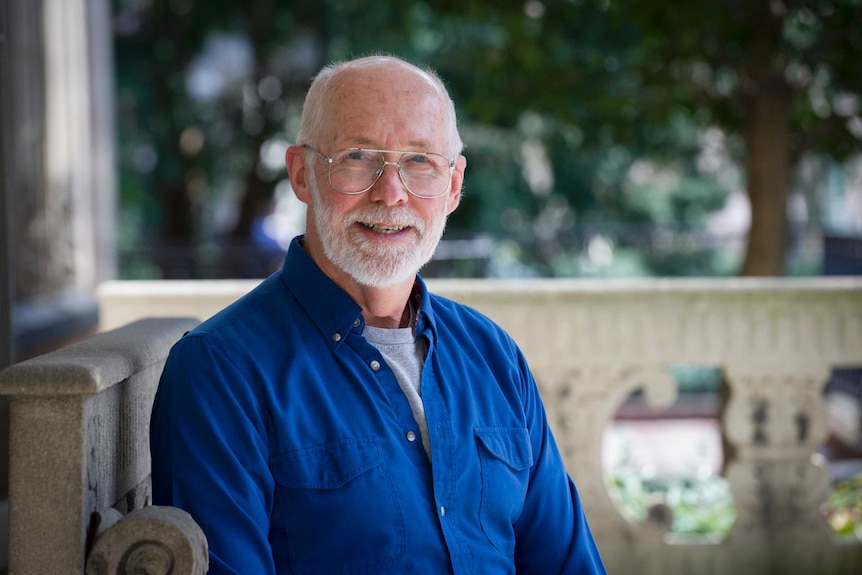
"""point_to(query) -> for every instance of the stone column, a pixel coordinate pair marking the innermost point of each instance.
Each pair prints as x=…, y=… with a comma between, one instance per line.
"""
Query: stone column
x=59, y=161
x=6, y=351
x=775, y=421
x=7, y=348
x=57, y=184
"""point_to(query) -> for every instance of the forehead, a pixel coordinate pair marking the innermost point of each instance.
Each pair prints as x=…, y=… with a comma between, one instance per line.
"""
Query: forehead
x=385, y=103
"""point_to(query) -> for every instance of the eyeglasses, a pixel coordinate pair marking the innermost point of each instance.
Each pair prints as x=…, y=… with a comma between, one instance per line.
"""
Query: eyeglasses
x=355, y=170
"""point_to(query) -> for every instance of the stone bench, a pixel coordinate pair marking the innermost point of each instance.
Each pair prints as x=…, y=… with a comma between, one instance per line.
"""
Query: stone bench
x=80, y=485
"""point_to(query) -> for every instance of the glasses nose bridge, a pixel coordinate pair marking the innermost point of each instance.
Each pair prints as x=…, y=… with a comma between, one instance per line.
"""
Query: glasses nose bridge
x=384, y=162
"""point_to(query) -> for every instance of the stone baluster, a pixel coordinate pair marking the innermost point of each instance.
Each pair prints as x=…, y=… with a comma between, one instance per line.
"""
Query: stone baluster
x=774, y=421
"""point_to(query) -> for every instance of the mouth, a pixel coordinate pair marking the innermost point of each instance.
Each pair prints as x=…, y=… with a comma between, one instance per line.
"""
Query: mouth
x=384, y=228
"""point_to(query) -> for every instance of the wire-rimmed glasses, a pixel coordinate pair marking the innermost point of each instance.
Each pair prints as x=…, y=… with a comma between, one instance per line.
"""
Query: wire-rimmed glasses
x=355, y=170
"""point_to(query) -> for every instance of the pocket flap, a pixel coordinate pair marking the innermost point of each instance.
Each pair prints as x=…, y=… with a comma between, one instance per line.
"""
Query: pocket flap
x=509, y=444
x=326, y=466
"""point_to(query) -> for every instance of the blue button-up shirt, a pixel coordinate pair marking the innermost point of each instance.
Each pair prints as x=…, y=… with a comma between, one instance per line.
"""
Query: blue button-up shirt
x=286, y=436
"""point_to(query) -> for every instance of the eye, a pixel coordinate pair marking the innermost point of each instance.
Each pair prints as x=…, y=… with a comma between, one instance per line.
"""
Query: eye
x=359, y=157
x=416, y=161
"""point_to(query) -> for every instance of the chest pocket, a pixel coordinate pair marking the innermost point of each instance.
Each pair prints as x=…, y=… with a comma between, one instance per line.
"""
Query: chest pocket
x=505, y=455
x=339, y=507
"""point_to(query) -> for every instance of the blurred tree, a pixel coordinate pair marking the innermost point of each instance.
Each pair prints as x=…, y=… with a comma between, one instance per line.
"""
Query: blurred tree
x=153, y=50
x=202, y=90
x=207, y=96
x=782, y=76
x=587, y=109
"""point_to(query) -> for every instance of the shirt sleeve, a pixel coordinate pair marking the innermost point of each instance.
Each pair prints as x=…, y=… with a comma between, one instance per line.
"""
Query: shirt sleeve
x=552, y=534
x=210, y=455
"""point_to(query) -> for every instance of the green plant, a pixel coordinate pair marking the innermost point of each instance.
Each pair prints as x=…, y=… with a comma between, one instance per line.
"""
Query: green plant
x=704, y=506
x=701, y=506
x=844, y=508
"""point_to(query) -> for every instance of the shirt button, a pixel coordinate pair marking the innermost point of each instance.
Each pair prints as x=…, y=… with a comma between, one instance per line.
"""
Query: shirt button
x=357, y=322
x=375, y=365
x=411, y=436
x=442, y=511
x=336, y=337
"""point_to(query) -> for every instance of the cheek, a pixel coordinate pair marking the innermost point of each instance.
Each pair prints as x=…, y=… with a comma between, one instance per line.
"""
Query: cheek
x=341, y=205
x=335, y=207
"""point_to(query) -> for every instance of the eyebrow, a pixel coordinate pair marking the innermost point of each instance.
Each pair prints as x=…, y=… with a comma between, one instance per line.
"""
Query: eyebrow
x=361, y=141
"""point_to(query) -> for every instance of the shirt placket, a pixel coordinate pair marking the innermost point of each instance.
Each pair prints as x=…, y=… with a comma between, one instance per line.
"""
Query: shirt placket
x=445, y=466
x=404, y=425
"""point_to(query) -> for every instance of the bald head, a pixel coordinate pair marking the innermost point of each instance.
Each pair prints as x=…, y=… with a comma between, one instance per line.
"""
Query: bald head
x=373, y=85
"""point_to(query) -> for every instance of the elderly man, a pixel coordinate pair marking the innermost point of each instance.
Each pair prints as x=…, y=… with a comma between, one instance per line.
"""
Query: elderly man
x=342, y=419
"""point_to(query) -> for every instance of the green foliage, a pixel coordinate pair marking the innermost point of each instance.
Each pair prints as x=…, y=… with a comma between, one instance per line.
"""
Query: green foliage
x=844, y=508
x=705, y=506
x=696, y=378
x=699, y=506
x=561, y=104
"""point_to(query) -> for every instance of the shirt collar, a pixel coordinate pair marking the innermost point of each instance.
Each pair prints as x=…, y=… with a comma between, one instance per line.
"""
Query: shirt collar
x=425, y=319
x=329, y=307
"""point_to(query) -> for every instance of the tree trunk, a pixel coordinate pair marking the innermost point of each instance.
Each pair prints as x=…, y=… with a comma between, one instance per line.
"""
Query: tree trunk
x=768, y=169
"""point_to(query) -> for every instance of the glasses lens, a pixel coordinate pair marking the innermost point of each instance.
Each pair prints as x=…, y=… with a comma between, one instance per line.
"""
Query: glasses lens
x=354, y=170
x=425, y=174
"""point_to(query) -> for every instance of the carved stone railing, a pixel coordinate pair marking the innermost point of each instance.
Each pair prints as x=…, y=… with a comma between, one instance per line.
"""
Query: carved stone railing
x=79, y=486
x=592, y=343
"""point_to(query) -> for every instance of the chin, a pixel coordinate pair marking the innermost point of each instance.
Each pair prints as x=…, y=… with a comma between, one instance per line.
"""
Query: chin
x=380, y=275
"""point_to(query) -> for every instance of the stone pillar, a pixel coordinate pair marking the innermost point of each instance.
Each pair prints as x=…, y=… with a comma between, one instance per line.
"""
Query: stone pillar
x=59, y=162
x=7, y=348
x=775, y=421
x=57, y=189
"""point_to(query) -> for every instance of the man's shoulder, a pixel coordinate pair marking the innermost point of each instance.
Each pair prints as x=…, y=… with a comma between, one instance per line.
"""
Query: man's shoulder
x=265, y=304
x=445, y=307
x=456, y=315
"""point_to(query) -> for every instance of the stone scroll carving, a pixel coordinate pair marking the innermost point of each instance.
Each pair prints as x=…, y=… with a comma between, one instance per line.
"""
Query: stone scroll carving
x=149, y=541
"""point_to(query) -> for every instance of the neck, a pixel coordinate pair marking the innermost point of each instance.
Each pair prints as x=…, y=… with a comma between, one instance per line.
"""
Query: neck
x=383, y=307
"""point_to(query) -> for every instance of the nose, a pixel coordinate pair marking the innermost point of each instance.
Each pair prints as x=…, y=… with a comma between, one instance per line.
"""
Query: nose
x=389, y=188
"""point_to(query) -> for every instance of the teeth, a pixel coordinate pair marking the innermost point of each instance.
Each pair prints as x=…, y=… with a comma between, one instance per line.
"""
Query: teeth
x=384, y=229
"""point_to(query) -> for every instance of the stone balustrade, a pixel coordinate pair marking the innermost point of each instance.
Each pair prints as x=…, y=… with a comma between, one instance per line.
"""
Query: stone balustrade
x=79, y=468
x=592, y=343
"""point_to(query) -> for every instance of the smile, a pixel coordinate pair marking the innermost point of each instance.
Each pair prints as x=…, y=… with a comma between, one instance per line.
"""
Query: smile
x=383, y=228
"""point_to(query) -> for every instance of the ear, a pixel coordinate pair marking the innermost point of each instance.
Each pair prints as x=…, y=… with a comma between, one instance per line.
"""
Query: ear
x=457, y=182
x=297, y=170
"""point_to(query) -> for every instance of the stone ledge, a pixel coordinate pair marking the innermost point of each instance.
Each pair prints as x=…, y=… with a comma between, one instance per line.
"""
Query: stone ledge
x=90, y=366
